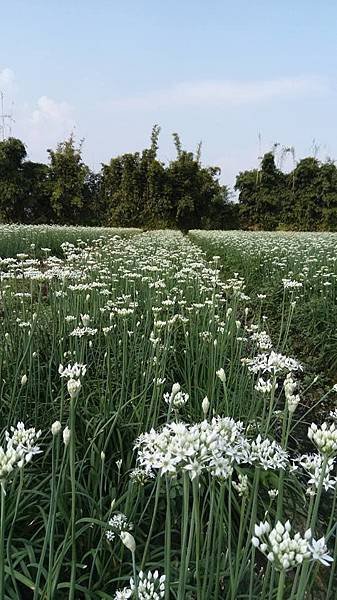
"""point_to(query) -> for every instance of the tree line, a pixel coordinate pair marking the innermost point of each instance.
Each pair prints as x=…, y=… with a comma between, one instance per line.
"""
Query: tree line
x=303, y=199
x=134, y=189
x=138, y=190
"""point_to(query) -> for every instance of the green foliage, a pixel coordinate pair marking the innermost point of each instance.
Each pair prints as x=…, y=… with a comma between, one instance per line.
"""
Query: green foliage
x=305, y=198
x=260, y=194
x=69, y=178
x=196, y=196
x=136, y=190
x=12, y=155
x=36, y=207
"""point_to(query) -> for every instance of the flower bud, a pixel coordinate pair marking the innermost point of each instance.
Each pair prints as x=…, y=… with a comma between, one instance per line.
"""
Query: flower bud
x=175, y=389
x=221, y=374
x=66, y=436
x=85, y=320
x=205, y=405
x=73, y=387
x=24, y=379
x=128, y=541
x=56, y=427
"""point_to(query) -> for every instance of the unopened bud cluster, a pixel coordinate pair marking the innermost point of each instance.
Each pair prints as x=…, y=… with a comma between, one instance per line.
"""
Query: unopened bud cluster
x=287, y=552
x=324, y=437
x=176, y=399
x=292, y=399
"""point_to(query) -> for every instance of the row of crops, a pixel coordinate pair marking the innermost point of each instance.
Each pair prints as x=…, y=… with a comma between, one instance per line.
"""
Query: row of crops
x=167, y=415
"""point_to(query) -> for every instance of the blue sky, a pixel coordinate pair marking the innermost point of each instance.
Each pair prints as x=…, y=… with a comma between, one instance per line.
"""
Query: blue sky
x=217, y=71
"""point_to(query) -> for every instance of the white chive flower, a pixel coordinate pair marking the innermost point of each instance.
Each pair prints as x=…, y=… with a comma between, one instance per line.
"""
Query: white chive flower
x=265, y=386
x=150, y=586
x=24, y=439
x=324, y=438
x=286, y=551
x=74, y=371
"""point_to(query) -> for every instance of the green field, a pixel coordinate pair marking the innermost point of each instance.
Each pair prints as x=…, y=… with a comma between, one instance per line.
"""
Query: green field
x=167, y=384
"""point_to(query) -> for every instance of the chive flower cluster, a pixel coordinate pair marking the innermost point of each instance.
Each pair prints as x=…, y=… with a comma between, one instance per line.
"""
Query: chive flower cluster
x=286, y=551
x=150, y=586
x=213, y=447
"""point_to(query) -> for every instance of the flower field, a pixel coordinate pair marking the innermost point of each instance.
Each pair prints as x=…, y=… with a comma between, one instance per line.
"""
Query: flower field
x=167, y=415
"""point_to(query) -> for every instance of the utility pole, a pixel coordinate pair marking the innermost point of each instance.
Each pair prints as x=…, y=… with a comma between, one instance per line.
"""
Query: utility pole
x=6, y=119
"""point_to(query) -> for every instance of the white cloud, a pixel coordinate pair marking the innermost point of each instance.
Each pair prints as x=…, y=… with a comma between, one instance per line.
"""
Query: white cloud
x=40, y=126
x=7, y=79
x=49, y=110
x=44, y=125
x=215, y=93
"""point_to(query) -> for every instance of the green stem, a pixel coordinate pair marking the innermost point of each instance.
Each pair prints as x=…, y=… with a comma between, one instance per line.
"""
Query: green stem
x=167, y=550
x=196, y=512
x=229, y=537
x=10, y=534
x=184, y=532
x=220, y=536
x=312, y=515
x=209, y=535
x=135, y=575
x=332, y=572
x=73, y=499
x=280, y=588
x=2, y=540
x=49, y=527
x=152, y=522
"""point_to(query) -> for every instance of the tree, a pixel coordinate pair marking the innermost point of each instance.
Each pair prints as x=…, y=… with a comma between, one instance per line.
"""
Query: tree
x=134, y=189
x=308, y=202
x=36, y=207
x=70, y=179
x=12, y=196
x=247, y=186
x=120, y=190
x=138, y=190
x=328, y=178
x=197, y=198
x=262, y=194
